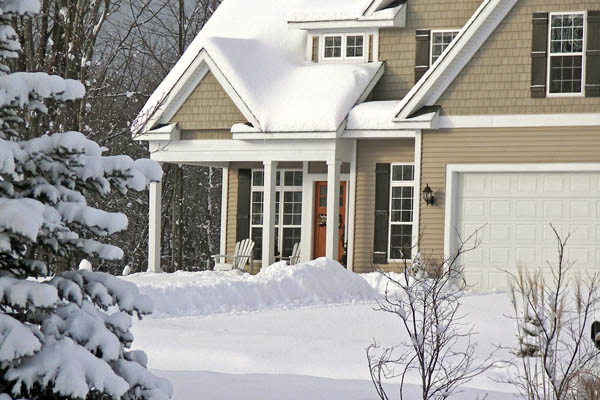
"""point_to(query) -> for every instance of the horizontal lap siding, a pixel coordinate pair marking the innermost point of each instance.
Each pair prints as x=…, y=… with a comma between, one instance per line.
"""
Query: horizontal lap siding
x=514, y=146
x=498, y=78
x=369, y=153
x=397, y=46
x=208, y=113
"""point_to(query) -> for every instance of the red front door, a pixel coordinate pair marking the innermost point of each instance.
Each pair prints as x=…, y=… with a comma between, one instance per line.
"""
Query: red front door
x=320, y=219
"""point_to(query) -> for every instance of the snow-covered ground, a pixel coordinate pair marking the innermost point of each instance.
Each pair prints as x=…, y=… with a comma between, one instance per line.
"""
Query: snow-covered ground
x=288, y=333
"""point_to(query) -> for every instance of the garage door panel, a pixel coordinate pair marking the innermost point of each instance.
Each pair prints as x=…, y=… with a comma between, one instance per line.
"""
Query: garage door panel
x=515, y=210
x=500, y=183
x=526, y=208
x=500, y=232
x=499, y=256
x=527, y=232
x=526, y=256
x=554, y=184
x=582, y=184
x=580, y=209
x=500, y=208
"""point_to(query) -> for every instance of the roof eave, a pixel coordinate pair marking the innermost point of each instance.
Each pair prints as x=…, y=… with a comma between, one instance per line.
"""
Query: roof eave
x=398, y=21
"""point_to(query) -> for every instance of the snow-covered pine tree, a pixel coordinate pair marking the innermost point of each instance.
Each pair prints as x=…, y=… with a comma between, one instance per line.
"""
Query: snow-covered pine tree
x=69, y=336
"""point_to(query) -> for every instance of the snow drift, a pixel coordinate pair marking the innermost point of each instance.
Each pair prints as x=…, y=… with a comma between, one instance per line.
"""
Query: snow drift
x=318, y=282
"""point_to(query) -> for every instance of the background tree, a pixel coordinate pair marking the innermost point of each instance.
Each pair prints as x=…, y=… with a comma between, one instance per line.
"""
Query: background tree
x=121, y=50
x=68, y=337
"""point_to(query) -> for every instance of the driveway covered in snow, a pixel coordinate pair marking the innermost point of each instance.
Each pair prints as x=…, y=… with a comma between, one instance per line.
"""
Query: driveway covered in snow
x=289, y=332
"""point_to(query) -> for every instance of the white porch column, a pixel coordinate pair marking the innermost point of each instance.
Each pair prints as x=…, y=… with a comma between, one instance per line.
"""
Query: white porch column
x=268, y=239
x=224, y=201
x=154, y=229
x=333, y=209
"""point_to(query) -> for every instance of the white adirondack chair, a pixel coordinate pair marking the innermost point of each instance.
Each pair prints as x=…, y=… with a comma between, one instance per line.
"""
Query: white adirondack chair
x=241, y=254
x=294, y=258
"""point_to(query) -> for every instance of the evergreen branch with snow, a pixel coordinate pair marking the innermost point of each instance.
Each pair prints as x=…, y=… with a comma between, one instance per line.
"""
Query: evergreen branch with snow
x=66, y=336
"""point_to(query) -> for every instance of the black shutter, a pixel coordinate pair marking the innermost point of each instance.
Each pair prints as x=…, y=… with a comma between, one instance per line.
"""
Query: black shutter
x=243, y=205
x=382, y=218
x=539, y=54
x=422, y=53
x=592, y=82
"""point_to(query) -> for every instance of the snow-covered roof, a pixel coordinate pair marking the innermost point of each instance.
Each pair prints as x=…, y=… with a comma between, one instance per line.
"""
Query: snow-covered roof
x=379, y=115
x=372, y=115
x=263, y=63
x=314, y=11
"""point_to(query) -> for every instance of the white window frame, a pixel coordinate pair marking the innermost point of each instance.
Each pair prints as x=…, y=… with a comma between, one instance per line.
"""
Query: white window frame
x=344, y=56
x=281, y=189
x=342, y=42
x=416, y=198
x=345, y=48
x=582, y=54
x=456, y=31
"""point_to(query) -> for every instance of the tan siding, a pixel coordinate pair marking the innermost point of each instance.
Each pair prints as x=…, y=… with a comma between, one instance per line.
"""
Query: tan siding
x=498, y=79
x=397, y=46
x=206, y=134
x=315, y=49
x=369, y=153
x=208, y=108
x=537, y=145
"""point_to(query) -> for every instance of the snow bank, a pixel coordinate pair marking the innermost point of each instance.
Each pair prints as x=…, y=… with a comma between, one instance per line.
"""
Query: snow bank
x=380, y=283
x=318, y=282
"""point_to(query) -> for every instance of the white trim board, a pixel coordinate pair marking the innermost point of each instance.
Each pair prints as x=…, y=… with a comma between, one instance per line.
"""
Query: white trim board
x=452, y=171
x=519, y=120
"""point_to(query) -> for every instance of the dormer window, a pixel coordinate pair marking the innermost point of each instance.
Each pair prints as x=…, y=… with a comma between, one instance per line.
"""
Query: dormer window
x=342, y=47
x=354, y=46
x=333, y=47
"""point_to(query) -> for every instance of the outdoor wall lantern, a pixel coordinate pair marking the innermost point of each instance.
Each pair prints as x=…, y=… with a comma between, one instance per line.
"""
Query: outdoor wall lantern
x=428, y=196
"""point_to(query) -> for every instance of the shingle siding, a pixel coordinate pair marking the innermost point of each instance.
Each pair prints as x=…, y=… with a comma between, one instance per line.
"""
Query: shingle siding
x=397, y=46
x=498, y=78
x=208, y=109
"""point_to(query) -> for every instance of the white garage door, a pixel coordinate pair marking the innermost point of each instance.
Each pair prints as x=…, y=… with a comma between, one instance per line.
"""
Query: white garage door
x=514, y=210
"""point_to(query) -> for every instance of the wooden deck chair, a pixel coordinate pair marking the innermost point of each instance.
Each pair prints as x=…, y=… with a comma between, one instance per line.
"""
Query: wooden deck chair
x=241, y=255
x=294, y=258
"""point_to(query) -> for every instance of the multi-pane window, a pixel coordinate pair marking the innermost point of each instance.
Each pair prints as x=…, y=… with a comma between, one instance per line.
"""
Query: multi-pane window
x=333, y=47
x=440, y=40
x=566, y=53
x=288, y=213
x=344, y=47
x=402, y=192
x=354, y=46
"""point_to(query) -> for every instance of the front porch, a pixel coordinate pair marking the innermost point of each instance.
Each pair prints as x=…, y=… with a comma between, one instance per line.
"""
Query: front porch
x=275, y=192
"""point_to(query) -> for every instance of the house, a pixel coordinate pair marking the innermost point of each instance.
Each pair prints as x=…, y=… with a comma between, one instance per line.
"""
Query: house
x=331, y=119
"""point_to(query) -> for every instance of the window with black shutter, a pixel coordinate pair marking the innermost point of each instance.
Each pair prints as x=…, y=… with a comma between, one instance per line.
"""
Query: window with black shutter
x=565, y=57
x=422, y=54
x=382, y=210
x=592, y=82
x=243, y=205
x=539, y=54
